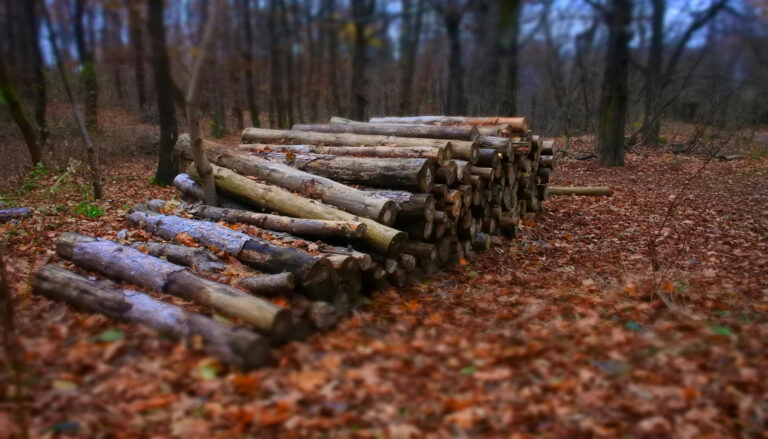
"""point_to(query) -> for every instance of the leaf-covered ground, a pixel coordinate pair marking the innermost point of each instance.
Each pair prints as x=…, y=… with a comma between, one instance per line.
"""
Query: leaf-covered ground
x=564, y=332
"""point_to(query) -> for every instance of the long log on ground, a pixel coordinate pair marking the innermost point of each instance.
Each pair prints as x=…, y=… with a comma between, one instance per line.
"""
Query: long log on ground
x=378, y=236
x=428, y=131
x=593, y=191
x=438, y=154
x=125, y=263
x=410, y=174
x=518, y=124
x=15, y=213
x=239, y=347
x=314, y=275
x=279, y=223
x=197, y=258
x=313, y=186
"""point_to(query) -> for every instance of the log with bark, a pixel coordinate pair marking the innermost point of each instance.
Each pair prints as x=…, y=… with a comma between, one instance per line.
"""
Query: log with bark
x=401, y=130
x=197, y=258
x=446, y=173
x=548, y=147
x=438, y=154
x=348, y=270
x=314, y=275
x=14, y=214
x=239, y=347
x=261, y=135
x=547, y=161
x=416, y=175
x=128, y=264
x=268, y=285
x=501, y=145
x=409, y=205
x=191, y=191
x=310, y=185
x=378, y=236
x=593, y=191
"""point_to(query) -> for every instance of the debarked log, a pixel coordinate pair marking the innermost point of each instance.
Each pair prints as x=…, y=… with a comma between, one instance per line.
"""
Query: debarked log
x=438, y=154
x=314, y=275
x=239, y=347
x=14, y=214
x=128, y=264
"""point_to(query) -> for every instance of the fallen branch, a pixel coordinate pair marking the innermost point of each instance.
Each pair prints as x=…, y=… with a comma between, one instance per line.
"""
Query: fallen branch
x=593, y=191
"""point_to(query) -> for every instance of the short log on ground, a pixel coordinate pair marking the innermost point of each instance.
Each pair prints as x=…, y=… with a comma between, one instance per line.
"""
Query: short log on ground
x=14, y=214
x=590, y=191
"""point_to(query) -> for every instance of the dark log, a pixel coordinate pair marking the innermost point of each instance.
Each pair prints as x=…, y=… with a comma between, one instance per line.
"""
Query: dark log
x=417, y=229
x=422, y=250
x=439, y=154
x=547, y=161
x=416, y=175
x=446, y=173
x=489, y=158
x=399, y=278
x=125, y=263
x=406, y=262
x=481, y=242
x=268, y=285
x=349, y=272
x=192, y=192
x=239, y=347
x=590, y=191
x=463, y=171
x=502, y=145
x=548, y=147
x=543, y=175
x=314, y=275
x=409, y=205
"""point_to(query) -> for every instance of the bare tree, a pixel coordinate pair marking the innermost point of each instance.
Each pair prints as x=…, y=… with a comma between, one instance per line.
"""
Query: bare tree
x=164, y=89
x=250, y=93
x=137, y=42
x=452, y=12
x=409, y=46
x=88, y=68
x=362, y=14
x=8, y=93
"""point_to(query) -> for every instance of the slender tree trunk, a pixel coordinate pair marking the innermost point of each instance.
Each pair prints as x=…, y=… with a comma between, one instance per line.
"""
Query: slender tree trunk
x=8, y=93
x=361, y=13
x=88, y=68
x=333, y=56
x=134, y=24
x=651, y=120
x=166, y=170
x=615, y=92
x=40, y=87
x=506, y=79
x=409, y=44
x=275, y=94
x=250, y=93
x=456, y=100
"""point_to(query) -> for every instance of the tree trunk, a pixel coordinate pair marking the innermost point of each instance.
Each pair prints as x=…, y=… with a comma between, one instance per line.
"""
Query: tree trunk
x=506, y=79
x=410, y=174
x=250, y=93
x=314, y=275
x=651, y=118
x=40, y=89
x=429, y=131
x=439, y=155
x=88, y=69
x=615, y=91
x=378, y=236
x=239, y=347
x=362, y=10
x=409, y=47
x=130, y=265
x=166, y=170
x=91, y=152
x=313, y=186
x=193, y=103
x=137, y=41
x=594, y=191
x=456, y=100
x=8, y=93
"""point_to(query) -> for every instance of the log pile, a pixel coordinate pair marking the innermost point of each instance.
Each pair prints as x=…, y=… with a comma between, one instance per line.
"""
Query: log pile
x=307, y=220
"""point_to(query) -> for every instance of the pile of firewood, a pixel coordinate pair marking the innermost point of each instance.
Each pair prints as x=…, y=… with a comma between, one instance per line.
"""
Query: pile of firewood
x=307, y=220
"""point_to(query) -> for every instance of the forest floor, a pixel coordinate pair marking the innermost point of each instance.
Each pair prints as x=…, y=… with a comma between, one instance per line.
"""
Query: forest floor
x=566, y=331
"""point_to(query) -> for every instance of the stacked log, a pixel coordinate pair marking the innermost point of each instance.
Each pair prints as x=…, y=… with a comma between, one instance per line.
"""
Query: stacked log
x=324, y=212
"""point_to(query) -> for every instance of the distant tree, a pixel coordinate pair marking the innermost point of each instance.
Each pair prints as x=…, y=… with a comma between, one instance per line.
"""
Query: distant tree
x=164, y=89
x=614, y=97
x=452, y=12
x=32, y=26
x=137, y=42
x=8, y=93
x=362, y=15
x=250, y=92
x=87, y=68
x=409, y=46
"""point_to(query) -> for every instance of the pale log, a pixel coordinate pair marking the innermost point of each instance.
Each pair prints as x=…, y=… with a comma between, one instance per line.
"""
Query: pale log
x=438, y=154
x=239, y=347
x=378, y=236
x=501, y=145
x=197, y=258
x=409, y=205
x=261, y=135
x=192, y=191
x=127, y=264
x=517, y=124
x=547, y=161
x=428, y=131
x=548, y=147
x=14, y=214
x=314, y=275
